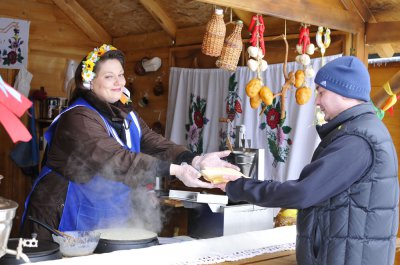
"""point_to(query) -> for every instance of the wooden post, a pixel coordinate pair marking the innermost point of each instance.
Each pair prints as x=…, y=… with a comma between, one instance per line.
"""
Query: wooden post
x=360, y=50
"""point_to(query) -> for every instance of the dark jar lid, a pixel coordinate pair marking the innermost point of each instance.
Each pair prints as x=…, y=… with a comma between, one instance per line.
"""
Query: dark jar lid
x=46, y=250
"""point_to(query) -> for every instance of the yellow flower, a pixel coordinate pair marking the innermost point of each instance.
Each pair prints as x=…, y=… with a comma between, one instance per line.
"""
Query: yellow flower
x=89, y=65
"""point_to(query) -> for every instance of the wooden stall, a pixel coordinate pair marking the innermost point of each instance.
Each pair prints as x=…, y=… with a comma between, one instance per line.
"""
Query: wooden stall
x=62, y=30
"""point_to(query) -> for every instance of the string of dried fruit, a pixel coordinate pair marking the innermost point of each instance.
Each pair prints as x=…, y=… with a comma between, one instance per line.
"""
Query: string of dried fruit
x=256, y=50
x=323, y=45
x=259, y=93
x=290, y=79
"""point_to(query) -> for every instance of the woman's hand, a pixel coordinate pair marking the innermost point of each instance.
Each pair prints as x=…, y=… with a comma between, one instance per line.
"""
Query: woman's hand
x=189, y=176
x=213, y=160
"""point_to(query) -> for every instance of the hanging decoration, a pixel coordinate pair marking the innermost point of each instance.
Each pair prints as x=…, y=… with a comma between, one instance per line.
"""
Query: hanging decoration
x=233, y=110
x=12, y=106
x=260, y=94
x=391, y=101
x=14, y=37
x=323, y=44
x=256, y=50
x=231, y=49
x=197, y=121
x=305, y=48
x=213, y=40
x=233, y=101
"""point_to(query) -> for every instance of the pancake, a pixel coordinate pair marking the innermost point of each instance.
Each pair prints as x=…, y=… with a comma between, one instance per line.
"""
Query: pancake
x=126, y=234
x=215, y=174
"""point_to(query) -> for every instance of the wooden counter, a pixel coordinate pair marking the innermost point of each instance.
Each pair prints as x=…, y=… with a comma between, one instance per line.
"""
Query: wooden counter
x=273, y=246
x=278, y=258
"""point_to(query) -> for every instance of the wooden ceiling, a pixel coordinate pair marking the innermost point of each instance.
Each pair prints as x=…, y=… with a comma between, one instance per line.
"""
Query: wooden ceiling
x=114, y=20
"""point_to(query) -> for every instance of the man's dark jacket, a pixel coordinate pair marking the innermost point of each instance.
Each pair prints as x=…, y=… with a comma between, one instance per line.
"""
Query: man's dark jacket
x=347, y=196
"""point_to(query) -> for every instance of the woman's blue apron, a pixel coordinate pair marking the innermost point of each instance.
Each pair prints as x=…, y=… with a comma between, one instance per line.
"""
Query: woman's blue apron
x=100, y=202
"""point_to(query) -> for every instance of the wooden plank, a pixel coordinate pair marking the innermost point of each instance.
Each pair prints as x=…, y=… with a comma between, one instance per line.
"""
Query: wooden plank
x=162, y=18
x=143, y=41
x=245, y=16
x=189, y=36
x=360, y=50
x=83, y=20
x=63, y=50
x=383, y=32
x=134, y=56
x=281, y=257
x=359, y=7
x=301, y=11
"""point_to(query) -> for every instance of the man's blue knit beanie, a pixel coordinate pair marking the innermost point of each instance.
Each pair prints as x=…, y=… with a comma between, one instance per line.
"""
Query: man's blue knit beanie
x=346, y=76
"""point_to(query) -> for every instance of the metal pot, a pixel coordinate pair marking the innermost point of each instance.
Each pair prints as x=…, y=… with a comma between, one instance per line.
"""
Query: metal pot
x=46, y=250
x=7, y=213
x=125, y=238
x=107, y=245
x=244, y=160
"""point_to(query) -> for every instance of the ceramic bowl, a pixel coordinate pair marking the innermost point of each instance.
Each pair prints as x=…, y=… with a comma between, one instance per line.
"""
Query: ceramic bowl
x=80, y=243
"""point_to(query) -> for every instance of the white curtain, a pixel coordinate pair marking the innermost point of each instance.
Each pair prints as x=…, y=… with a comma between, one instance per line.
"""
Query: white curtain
x=198, y=98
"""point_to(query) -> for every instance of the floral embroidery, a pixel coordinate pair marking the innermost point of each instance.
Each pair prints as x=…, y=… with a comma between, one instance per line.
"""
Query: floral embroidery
x=197, y=120
x=233, y=101
x=233, y=109
x=14, y=54
x=273, y=117
x=278, y=144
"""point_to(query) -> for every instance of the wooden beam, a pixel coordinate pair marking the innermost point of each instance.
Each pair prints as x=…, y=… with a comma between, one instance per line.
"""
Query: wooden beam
x=348, y=44
x=301, y=11
x=84, y=21
x=162, y=18
x=359, y=49
x=359, y=7
x=383, y=32
x=385, y=50
x=244, y=16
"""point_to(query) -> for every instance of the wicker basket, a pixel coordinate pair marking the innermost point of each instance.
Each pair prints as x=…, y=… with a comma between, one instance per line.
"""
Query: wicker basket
x=215, y=34
x=232, y=49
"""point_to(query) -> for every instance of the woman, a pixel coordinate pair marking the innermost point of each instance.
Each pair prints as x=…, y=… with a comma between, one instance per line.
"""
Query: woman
x=99, y=150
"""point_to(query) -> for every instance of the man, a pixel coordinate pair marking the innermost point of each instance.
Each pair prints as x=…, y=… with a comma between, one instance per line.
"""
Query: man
x=348, y=195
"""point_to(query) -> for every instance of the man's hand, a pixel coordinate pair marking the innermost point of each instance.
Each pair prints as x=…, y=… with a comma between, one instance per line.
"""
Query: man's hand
x=213, y=160
x=189, y=176
x=222, y=186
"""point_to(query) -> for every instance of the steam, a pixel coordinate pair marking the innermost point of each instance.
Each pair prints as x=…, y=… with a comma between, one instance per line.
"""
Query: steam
x=147, y=210
x=147, y=213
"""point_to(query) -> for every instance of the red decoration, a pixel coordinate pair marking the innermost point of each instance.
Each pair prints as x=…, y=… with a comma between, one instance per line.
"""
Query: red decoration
x=13, y=105
x=304, y=38
x=257, y=28
x=238, y=106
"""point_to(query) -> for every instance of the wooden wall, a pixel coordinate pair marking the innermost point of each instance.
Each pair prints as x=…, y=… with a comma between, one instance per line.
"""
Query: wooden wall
x=379, y=75
x=53, y=39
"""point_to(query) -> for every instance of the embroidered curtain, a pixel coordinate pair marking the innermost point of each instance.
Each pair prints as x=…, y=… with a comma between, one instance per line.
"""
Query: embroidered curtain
x=199, y=97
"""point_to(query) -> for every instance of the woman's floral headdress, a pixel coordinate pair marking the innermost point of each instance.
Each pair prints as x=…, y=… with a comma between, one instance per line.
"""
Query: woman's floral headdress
x=91, y=59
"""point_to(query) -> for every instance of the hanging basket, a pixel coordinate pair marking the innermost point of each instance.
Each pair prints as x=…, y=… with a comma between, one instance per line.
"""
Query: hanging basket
x=215, y=34
x=232, y=49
